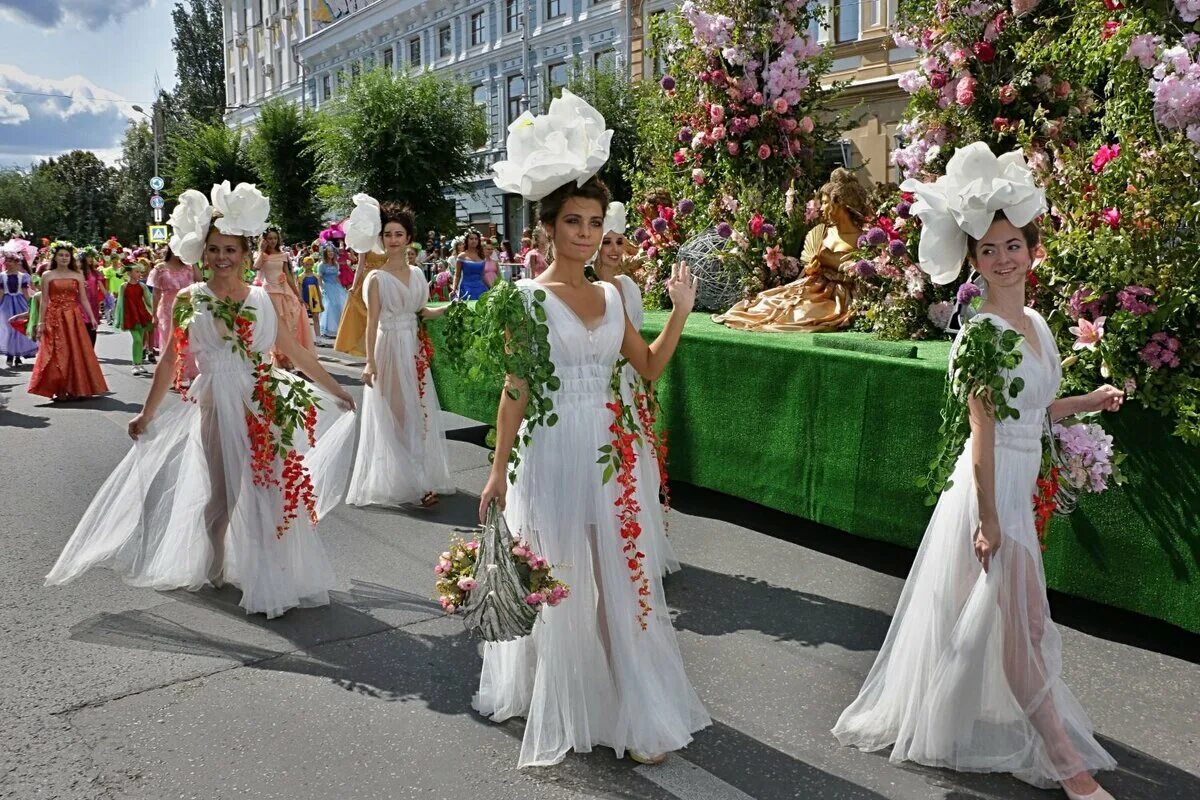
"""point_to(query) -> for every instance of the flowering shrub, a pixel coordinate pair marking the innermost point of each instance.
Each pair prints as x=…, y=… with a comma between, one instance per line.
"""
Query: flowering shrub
x=11, y=228
x=1104, y=98
x=736, y=135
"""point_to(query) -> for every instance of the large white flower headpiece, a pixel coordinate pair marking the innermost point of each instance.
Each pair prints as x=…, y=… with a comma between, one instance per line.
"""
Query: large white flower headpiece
x=243, y=211
x=568, y=143
x=363, y=227
x=614, y=218
x=977, y=185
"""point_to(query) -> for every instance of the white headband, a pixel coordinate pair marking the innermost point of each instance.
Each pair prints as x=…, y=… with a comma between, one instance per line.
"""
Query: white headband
x=977, y=185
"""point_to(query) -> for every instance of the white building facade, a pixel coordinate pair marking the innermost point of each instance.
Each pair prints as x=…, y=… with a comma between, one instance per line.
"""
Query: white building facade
x=260, y=54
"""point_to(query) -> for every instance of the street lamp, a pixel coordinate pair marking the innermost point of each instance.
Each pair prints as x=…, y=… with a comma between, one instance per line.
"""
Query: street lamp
x=153, y=130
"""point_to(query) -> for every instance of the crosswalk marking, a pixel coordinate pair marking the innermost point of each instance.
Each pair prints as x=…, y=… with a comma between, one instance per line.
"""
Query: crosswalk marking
x=687, y=781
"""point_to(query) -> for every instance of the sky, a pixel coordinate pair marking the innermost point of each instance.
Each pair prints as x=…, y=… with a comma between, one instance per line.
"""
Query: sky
x=102, y=54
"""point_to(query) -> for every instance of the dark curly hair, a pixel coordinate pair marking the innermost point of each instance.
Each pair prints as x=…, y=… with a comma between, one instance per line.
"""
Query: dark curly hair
x=592, y=189
x=394, y=212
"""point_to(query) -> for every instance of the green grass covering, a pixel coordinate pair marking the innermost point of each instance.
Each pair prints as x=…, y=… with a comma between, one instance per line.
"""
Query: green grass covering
x=837, y=427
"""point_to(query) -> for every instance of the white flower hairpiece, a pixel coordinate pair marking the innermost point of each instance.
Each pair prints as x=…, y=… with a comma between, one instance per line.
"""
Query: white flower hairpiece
x=568, y=143
x=189, y=223
x=243, y=210
x=614, y=218
x=977, y=185
x=363, y=227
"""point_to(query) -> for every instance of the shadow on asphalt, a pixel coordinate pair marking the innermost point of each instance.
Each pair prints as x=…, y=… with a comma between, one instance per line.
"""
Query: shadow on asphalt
x=11, y=419
x=460, y=510
x=713, y=604
x=1095, y=619
x=101, y=403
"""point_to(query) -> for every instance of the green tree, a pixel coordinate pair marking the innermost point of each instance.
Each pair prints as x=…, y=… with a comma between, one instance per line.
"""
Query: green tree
x=133, y=191
x=208, y=154
x=616, y=97
x=400, y=137
x=34, y=196
x=199, y=59
x=90, y=197
x=287, y=167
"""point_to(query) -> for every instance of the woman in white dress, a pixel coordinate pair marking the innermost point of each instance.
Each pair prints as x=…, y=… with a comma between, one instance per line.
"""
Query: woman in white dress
x=401, y=443
x=189, y=505
x=598, y=669
x=969, y=676
x=610, y=265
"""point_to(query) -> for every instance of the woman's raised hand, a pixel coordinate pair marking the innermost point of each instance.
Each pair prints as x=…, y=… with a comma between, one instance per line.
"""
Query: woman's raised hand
x=681, y=287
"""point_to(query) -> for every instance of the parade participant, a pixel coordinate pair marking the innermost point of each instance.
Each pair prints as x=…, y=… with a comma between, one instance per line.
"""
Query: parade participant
x=275, y=275
x=352, y=328
x=333, y=293
x=18, y=288
x=167, y=279
x=204, y=496
x=94, y=287
x=534, y=261
x=310, y=293
x=969, y=676
x=134, y=313
x=469, y=283
x=602, y=668
x=636, y=392
x=66, y=366
x=401, y=444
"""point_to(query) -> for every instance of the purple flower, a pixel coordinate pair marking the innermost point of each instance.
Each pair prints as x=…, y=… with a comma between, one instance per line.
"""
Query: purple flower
x=877, y=237
x=897, y=248
x=668, y=83
x=659, y=224
x=641, y=235
x=864, y=269
x=1081, y=306
x=768, y=230
x=685, y=135
x=652, y=252
x=724, y=230
x=1162, y=351
x=685, y=207
x=968, y=292
x=904, y=209
x=1130, y=299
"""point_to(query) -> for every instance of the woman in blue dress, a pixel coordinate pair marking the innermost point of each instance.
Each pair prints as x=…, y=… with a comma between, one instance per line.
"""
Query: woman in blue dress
x=17, y=291
x=469, y=281
x=332, y=292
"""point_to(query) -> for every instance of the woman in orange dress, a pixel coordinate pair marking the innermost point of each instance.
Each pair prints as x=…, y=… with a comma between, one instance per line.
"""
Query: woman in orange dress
x=66, y=366
x=275, y=275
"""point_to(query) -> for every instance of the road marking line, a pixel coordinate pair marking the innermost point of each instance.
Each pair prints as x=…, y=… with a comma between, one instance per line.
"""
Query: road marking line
x=687, y=781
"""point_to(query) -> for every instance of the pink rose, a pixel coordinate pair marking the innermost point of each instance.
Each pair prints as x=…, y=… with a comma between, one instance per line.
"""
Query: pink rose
x=718, y=133
x=964, y=93
x=1008, y=94
x=679, y=157
x=938, y=79
x=466, y=584
x=1111, y=217
x=698, y=176
x=534, y=599
x=752, y=120
x=716, y=114
x=519, y=551
x=757, y=98
x=764, y=152
x=788, y=125
x=1063, y=90
x=985, y=52
x=733, y=147
x=780, y=105
x=806, y=124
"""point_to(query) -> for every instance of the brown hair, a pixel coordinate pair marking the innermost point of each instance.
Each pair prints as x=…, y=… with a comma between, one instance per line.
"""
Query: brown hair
x=243, y=239
x=1032, y=233
x=848, y=192
x=592, y=189
x=394, y=212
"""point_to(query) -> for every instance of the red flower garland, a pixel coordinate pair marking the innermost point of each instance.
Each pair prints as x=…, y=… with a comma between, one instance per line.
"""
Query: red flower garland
x=181, y=348
x=1044, y=504
x=647, y=410
x=424, y=358
x=622, y=459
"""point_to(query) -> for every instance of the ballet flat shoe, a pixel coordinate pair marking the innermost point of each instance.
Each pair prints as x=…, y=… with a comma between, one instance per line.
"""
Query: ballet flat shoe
x=655, y=760
x=1100, y=794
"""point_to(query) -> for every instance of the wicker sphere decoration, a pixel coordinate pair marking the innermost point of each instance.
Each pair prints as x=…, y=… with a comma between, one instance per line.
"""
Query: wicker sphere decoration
x=718, y=290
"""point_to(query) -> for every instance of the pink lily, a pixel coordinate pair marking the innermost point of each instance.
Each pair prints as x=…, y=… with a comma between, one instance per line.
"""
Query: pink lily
x=1088, y=334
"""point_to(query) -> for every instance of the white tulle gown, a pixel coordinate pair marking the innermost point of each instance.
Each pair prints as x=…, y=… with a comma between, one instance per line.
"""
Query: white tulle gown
x=631, y=296
x=588, y=675
x=401, y=441
x=181, y=509
x=969, y=677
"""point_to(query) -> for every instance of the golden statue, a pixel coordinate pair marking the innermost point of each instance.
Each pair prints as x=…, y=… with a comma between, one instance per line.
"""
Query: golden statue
x=821, y=298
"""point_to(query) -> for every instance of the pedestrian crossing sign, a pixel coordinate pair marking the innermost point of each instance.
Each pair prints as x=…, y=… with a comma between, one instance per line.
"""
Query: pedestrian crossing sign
x=158, y=234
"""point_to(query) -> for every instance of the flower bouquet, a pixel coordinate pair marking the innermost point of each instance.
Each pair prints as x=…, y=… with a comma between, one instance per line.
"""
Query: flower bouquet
x=502, y=599
x=1078, y=458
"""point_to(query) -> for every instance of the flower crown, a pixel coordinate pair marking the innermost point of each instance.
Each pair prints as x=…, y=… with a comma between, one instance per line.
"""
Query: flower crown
x=977, y=185
x=59, y=244
x=568, y=143
x=235, y=212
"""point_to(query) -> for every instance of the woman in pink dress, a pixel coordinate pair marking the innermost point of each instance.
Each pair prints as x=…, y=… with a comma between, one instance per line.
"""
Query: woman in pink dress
x=275, y=275
x=93, y=286
x=166, y=279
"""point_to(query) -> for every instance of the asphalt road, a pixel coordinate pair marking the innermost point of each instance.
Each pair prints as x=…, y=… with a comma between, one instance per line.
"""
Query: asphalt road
x=108, y=691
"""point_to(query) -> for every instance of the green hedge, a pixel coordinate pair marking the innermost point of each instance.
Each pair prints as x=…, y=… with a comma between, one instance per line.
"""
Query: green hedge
x=836, y=429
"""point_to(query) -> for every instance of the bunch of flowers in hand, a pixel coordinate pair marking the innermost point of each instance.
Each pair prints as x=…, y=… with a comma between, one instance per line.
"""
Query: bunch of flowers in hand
x=1080, y=460
x=737, y=135
x=456, y=567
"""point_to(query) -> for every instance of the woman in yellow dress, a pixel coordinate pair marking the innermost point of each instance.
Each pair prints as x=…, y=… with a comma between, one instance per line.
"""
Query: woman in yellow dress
x=352, y=330
x=821, y=299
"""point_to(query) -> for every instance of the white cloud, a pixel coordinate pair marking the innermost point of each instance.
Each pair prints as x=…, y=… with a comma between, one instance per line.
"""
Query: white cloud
x=41, y=115
x=83, y=13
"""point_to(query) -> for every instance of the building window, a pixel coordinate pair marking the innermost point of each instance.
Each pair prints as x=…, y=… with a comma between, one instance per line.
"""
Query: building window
x=477, y=28
x=556, y=79
x=326, y=87
x=553, y=9
x=355, y=69
x=341, y=79
x=414, y=52
x=479, y=95
x=389, y=59
x=847, y=14
x=512, y=16
x=516, y=88
x=444, y=41
x=605, y=61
